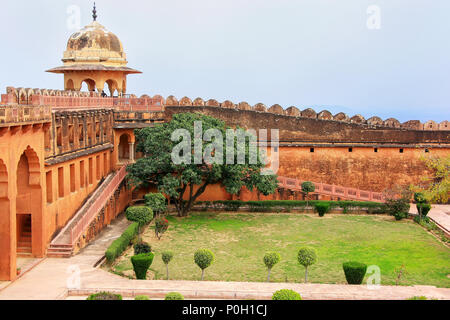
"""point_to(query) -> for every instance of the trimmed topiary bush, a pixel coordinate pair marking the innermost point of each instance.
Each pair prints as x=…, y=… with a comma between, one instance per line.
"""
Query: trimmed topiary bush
x=354, y=272
x=308, y=187
x=423, y=209
x=270, y=259
x=156, y=201
x=322, y=208
x=141, y=263
x=139, y=214
x=142, y=297
x=161, y=226
x=142, y=247
x=419, y=197
x=166, y=257
x=104, y=296
x=400, y=215
x=306, y=257
x=121, y=244
x=286, y=294
x=174, y=296
x=203, y=258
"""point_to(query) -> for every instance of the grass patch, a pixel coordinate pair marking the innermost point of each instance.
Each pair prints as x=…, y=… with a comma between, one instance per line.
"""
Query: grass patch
x=239, y=242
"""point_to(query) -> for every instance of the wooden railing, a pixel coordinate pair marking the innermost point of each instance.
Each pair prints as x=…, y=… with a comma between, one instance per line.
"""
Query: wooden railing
x=98, y=205
x=332, y=190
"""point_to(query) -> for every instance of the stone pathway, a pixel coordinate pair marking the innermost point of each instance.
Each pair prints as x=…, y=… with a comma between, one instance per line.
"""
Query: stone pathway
x=52, y=277
x=439, y=213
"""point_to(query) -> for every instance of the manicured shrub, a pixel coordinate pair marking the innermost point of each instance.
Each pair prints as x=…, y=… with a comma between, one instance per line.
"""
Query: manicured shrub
x=418, y=298
x=286, y=294
x=203, y=258
x=161, y=226
x=139, y=214
x=166, y=257
x=121, y=244
x=354, y=272
x=307, y=257
x=423, y=209
x=307, y=187
x=104, y=296
x=322, y=208
x=142, y=297
x=270, y=259
x=174, y=296
x=156, y=201
x=141, y=263
x=400, y=215
x=142, y=247
x=419, y=197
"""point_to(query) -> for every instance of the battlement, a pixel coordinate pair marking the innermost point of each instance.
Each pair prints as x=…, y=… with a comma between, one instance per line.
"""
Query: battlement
x=73, y=100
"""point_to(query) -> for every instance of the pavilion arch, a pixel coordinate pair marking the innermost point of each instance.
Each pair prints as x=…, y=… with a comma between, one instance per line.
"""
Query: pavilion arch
x=90, y=84
x=28, y=202
x=5, y=227
x=70, y=85
x=23, y=98
x=112, y=86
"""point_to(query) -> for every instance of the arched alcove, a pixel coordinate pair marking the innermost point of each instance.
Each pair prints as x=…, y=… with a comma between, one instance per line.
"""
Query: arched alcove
x=5, y=225
x=124, y=147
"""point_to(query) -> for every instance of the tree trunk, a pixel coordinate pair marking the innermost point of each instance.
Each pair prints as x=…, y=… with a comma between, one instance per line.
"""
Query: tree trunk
x=203, y=273
x=268, y=276
x=306, y=274
x=167, y=271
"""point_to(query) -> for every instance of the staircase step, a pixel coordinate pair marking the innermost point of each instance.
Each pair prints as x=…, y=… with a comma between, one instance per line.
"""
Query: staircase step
x=23, y=250
x=23, y=244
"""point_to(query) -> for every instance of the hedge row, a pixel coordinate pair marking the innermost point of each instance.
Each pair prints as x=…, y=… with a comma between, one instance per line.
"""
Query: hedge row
x=121, y=244
x=287, y=205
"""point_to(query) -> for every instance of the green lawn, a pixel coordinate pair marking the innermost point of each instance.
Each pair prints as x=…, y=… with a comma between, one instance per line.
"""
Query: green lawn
x=239, y=242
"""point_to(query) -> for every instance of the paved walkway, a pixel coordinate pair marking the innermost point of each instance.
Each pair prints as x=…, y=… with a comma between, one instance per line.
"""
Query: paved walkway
x=52, y=277
x=439, y=213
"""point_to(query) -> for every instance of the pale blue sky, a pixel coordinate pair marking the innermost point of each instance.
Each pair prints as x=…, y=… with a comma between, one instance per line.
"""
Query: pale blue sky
x=306, y=53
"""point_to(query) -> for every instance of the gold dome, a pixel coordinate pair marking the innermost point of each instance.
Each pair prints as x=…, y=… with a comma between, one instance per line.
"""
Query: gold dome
x=94, y=44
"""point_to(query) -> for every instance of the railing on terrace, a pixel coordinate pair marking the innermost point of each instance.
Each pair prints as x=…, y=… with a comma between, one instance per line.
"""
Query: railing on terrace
x=98, y=205
x=332, y=190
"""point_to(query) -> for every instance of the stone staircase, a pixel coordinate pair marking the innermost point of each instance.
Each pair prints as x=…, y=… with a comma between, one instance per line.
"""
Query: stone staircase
x=61, y=246
x=24, y=241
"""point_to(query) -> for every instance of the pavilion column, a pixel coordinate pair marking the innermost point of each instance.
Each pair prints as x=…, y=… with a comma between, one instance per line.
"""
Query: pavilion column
x=131, y=144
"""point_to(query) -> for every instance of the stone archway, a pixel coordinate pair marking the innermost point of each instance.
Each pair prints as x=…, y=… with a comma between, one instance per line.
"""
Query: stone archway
x=90, y=84
x=124, y=147
x=7, y=264
x=28, y=204
x=112, y=86
x=70, y=85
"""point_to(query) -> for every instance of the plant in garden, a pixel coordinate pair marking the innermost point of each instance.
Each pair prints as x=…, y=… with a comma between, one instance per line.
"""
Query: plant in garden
x=141, y=215
x=308, y=187
x=271, y=259
x=141, y=297
x=104, y=296
x=397, y=201
x=184, y=181
x=286, y=294
x=423, y=209
x=141, y=263
x=142, y=247
x=435, y=187
x=156, y=201
x=307, y=257
x=354, y=272
x=174, y=296
x=203, y=258
x=166, y=257
x=399, y=273
x=322, y=208
x=161, y=226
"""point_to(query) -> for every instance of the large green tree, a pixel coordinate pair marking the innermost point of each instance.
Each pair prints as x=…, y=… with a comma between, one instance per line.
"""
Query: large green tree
x=225, y=159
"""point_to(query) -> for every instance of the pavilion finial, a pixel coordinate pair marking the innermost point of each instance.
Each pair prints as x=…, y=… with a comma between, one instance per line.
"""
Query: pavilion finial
x=94, y=13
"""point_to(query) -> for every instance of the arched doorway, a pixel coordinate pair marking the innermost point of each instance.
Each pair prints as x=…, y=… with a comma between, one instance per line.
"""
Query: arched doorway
x=124, y=147
x=112, y=86
x=69, y=85
x=5, y=226
x=28, y=201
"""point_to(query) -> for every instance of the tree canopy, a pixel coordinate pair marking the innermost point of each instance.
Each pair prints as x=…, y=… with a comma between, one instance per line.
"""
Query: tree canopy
x=192, y=151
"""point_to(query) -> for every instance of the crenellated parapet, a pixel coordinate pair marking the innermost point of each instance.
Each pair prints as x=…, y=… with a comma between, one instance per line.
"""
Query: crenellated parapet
x=67, y=99
x=310, y=113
